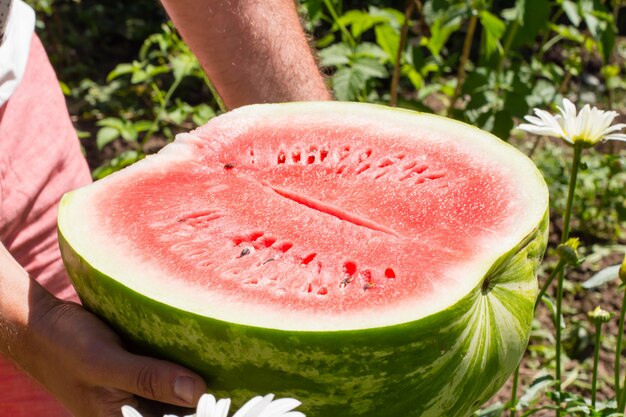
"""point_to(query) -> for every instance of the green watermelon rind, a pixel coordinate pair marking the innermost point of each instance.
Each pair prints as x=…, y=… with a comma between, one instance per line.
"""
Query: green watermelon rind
x=445, y=364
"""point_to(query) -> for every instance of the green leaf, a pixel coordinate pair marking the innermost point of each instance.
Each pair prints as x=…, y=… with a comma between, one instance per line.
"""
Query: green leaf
x=568, y=32
x=142, y=125
x=324, y=41
x=413, y=75
x=139, y=76
x=539, y=384
x=532, y=15
x=370, y=50
x=119, y=70
x=544, y=92
x=65, y=89
x=503, y=124
x=113, y=122
x=202, y=114
x=571, y=10
x=388, y=39
x=336, y=55
x=388, y=15
x=515, y=102
x=183, y=65
x=494, y=29
x=105, y=136
x=593, y=24
x=370, y=68
x=129, y=134
x=152, y=70
x=441, y=30
x=607, y=40
x=600, y=278
x=359, y=21
x=348, y=83
x=494, y=410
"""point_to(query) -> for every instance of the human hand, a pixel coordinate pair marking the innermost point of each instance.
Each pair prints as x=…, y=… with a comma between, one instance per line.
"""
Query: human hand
x=85, y=366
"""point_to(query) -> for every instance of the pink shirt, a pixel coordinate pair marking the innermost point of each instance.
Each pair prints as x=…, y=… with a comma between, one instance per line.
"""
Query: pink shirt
x=40, y=159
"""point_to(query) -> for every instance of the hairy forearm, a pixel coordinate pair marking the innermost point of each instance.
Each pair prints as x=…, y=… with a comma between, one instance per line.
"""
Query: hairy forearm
x=77, y=357
x=254, y=51
x=22, y=300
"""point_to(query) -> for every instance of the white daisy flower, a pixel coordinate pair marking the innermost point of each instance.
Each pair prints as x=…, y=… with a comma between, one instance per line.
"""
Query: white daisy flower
x=586, y=128
x=256, y=407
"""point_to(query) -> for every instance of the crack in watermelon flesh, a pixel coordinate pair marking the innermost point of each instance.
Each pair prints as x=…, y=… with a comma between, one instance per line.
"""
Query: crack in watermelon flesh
x=313, y=218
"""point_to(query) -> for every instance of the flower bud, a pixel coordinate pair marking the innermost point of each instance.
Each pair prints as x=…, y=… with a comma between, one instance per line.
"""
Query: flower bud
x=622, y=271
x=568, y=251
x=599, y=315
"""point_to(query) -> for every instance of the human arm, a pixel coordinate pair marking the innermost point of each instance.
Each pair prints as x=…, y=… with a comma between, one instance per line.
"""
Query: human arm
x=76, y=356
x=254, y=51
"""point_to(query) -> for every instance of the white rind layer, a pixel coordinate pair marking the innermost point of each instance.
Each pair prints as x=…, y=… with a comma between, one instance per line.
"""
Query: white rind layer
x=84, y=233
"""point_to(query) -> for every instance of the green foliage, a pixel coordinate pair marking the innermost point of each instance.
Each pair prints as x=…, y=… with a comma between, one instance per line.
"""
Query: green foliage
x=600, y=210
x=141, y=103
x=507, y=70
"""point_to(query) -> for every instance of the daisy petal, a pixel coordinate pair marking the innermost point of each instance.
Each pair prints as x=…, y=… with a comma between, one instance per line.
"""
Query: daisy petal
x=250, y=406
x=222, y=407
x=549, y=120
x=538, y=130
x=206, y=406
x=569, y=109
x=616, y=136
x=614, y=128
x=279, y=407
x=128, y=411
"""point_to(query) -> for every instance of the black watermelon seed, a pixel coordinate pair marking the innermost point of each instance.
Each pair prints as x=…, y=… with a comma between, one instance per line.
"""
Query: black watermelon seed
x=244, y=252
x=346, y=281
x=229, y=166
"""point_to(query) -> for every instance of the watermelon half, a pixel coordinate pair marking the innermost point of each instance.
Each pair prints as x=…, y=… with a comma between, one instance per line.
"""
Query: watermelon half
x=365, y=260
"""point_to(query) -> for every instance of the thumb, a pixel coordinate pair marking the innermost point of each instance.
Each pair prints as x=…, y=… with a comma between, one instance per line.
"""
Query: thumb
x=161, y=381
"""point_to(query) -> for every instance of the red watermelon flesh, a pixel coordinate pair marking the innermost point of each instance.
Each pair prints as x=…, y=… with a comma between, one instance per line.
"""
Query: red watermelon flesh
x=342, y=221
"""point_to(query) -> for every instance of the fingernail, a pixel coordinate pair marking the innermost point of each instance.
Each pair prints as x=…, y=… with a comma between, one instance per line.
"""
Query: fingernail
x=184, y=388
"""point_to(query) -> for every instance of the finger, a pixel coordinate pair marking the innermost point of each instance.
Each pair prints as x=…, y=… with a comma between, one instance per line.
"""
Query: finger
x=157, y=380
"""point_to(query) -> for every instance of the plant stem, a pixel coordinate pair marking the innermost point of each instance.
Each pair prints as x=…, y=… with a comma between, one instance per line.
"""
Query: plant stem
x=467, y=47
x=565, y=82
x=408, y=11
x=620, y=396
x=544, y=38
x=559, y=267
x=164, y=103
x=564, y=236
x=513, y=401
x=570, y=192
x=333, y=13
x=596, y=357
x=216, y=95
x=535, y=147
x=507, y=47
x=425, y=30
x=557, y=324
